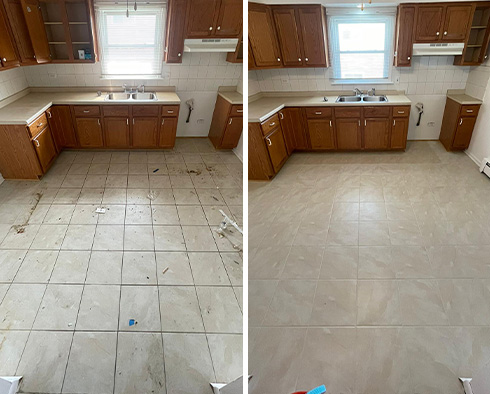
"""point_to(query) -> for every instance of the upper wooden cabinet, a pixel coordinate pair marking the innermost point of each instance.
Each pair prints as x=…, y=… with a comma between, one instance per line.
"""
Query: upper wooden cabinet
x=214, y=18
x=174, y=39
x=476, y=44
x=20, y=32
x=428, y=23
x=35, y=26
x=457, y=22
x=300, y=31
x=403, y=36
x=8, y=54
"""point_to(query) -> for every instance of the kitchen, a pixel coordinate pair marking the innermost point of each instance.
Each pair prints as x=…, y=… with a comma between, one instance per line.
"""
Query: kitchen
x=120, y=152
x=368, y=225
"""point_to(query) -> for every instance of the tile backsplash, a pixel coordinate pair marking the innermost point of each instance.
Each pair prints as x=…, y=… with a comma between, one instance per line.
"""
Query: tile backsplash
x=428, y=75
x=478, y=81
x=12, y=82
x=198, y=72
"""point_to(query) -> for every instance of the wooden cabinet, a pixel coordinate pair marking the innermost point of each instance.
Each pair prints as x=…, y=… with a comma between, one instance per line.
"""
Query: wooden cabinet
x=320, y=128
x=144, y=132
x=313, y=34
x=8, y=54
x=476, y=44
x=61, y=125
x=262, y=37
x=35, y=26
x=259, y=162
x=457, y=21
x=376, y=133
x=348, y=132
x=214, y=18
x=293, y=129
x=89, y=132
x=19, y=30
x=428, y=23
x=45, y=148
x=174, y=39
x=399, y=130
x=403, y=36
x=288, y=35
x=116, y=132
x=277, y=148
x=168, y=131
x=458, y=123
x=226, y=125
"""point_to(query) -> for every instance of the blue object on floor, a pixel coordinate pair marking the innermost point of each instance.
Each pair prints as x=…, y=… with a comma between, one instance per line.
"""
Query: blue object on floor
x=319, y=390
x=131, y=322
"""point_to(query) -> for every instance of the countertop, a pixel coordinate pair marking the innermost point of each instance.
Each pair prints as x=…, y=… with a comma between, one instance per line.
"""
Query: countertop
x=261, y=109
x=26, y=109
x=233, y=97
x=464, y=99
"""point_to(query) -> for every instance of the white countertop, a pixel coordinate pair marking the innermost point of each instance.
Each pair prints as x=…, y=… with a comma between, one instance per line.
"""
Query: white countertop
x=261, y=109
x=233, y=97
x=464, y=99
x=26, y=109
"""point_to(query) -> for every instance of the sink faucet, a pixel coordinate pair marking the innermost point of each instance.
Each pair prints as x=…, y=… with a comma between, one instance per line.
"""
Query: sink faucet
x=371, y=92
x=142, y=87
x=357, y=92
x=125, y=87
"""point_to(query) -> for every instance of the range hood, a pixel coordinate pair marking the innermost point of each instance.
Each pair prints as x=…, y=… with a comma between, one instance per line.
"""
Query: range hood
x=438, y=49
x=211, y=45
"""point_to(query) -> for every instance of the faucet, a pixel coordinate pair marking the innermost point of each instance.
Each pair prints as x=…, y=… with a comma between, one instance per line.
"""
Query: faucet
x=125, y=87
x=142, y=87
x=371, y=92
x=357, y=92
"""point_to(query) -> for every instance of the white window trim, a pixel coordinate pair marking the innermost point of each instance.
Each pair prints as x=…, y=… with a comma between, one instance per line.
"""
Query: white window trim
x=389, y=40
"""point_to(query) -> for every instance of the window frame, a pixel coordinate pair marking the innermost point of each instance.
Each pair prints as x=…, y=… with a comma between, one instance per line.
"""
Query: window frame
x=335, y=19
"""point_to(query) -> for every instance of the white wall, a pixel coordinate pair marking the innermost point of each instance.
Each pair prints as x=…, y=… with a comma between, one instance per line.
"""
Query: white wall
x=426, y=81
x=12, y=81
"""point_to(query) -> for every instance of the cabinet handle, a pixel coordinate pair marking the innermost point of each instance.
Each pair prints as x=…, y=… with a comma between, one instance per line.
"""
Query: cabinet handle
x=40, y=124
x=278, y=59
x=281, y=115
x=445, y=33
x=394, y=121
x=306, y=59
x=50, y=115
x=318, y=112
x=408, y=58
x=133, y=121
x=211, y=28
x=461, y=122
x=86, y=111
x=469, y=111
x=179, y=54
x=359, y=123
x=170, y=111
x=4, y=59
x=437, y=33
x=127, y=121
x=365, y=122
x=268, y=141
x=401, y=112
x=37, y=143
x=230, y=121
x=163, y=121
x=272, y=124
x=218, y=28
x=330, y=123
x=240, y=111
x=98, y=121
x=299, y=59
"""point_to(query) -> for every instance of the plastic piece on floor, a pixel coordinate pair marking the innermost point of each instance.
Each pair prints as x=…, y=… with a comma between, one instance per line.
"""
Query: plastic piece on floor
x=152, y=195
x=100, y=210
x=132, y=322
x=235, y=387
x=156, y=170
x=318, y=390
x=9, y=384
x=165, y=270
x=466, y=385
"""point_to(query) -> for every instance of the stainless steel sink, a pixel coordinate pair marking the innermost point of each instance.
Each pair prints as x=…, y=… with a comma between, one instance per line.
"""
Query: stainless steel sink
x=348, y=99
x=375, y=98
x=144, y=96
x=118, y=96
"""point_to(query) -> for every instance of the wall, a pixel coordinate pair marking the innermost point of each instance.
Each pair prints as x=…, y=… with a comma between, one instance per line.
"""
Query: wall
x=198, y=77
x=12, y=81
x=426, y=81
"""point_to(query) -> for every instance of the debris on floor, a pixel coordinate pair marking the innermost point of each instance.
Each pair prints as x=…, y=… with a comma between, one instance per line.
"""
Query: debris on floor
x=100, y=210
x=152, y=195
x=156, y=170
x=9, y=384
x=132, y=322
x=230, y=233
x=234, y=387
x=164, y=271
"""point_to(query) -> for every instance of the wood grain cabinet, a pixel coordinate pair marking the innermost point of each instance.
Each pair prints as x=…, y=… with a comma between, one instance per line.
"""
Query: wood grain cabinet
x=403, y=35
x=61, y=125
x=226, y=125
x=399, y=127
x=293, y=129
x=458, y=123
x=320, y=128
x=348, y=128
x=144, y=128
x=8, y=53
x=174, y=39
x=168, y=126
x=376, y=128
x=45, y=148
x=214, y=18
x=89, y=132
x=274, y=141
x=20, y=32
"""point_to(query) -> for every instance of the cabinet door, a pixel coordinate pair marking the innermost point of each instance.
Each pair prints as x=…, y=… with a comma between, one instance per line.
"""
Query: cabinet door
x=262, y=36
x=277, y=149
x=464, y=132
x=232, y=133
x=168, y=130
x=61, y=125
x=35, y=25
x=116, y=132
x=321, y=134
x=230, y=16
x=45, y=149
x=313, y=35
x=293, y=129
x=348, y=133
x=399, y=131
x=89, y=131
x=457, y=22
x=376, y=133
x=429, y=23
x=174, y=39
x=287, y=34
x=19, y=31
x=144, y=133
x=404, y=34
x=201, y=18
x=8, y=55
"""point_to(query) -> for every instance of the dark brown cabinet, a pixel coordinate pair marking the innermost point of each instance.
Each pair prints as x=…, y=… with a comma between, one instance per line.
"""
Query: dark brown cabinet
x=45, y=148
x=376, y=133
x=320, y=128
x=116, y=132
x=8, y=54
x=313, y=33
x=399, y=131
x=214, y=18
x=403, y=36
x=348, y=134
x=19, y=30
x=229, y=19
x=168, y=130
x=144, y=132
x=174, y=39
x=458, y=123
x=37, y=33
x=264, y=47
x=226, y=125
x=456, y=22
x=277, y=148
x=61, y=125
x=428, y=23
x=293, y=129
x=288, y=35
x=89, y=132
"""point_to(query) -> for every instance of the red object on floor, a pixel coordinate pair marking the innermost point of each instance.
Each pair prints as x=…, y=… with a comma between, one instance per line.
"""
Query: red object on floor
x=301, y=392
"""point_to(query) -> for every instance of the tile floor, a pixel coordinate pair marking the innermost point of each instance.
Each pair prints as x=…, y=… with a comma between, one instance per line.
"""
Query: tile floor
x=370, y=273
x=71, y=279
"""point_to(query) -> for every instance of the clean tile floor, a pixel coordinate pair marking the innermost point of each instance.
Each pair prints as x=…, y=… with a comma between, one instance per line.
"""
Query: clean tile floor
x=370, y=273
x=71, y=279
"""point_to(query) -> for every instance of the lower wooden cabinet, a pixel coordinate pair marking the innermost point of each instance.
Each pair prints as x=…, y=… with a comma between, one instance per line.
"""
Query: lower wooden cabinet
x=348, y=134
x=293, y=129
x=277, y=148
x=144, y=132
x=61, y=125
x=458, y=123
x=89, y=131
x=45, y=148
x=232, y=133
x=322, y=134
x=399, y=130
x=168, y=130
x=226, y=125
x=116, y=132
x=376, y=133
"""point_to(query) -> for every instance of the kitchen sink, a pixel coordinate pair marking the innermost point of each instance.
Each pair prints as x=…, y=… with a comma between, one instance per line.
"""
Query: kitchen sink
x=144, y=96
x=375, y=98
x=348, y=99
x=118, y=96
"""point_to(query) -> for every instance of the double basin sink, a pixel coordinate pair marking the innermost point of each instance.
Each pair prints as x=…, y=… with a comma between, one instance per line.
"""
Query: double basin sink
x=131, y=97
x=356, y=99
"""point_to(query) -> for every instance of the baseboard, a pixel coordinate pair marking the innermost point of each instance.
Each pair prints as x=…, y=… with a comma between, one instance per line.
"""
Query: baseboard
x=1, y=179
x=238, y=154
x=475, y=159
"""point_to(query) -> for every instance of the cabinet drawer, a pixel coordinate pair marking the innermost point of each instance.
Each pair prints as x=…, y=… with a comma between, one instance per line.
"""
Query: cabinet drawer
x=318, y=112
x=170, y=110
x=236, y=110
x=348, y=112
x=376, y=112
x=401, y=112
x=115, y=110
x=39, y=124
x=270, y=124
x=145, y=110
x=469, y=110
x=87, y=110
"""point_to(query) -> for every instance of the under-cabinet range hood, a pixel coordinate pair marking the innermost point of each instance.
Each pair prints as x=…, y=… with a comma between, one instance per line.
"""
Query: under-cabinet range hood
x=210, y=45
x=438, y=49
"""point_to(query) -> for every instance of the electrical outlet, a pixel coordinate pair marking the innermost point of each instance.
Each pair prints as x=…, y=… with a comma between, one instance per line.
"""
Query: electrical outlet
x=200, y=121
x=52, y=75
x=431, y=124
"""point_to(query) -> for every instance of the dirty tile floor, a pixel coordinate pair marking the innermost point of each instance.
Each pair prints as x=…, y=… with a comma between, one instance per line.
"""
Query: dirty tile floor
x=370, y=273
x=71, y=280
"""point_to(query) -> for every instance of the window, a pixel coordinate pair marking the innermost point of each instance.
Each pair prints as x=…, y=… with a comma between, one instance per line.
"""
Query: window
x=361, y=47
x=131, y=46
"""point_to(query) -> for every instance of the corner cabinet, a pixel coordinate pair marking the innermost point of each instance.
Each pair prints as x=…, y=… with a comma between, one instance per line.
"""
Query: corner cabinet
x=214, y=18
x=226, y=125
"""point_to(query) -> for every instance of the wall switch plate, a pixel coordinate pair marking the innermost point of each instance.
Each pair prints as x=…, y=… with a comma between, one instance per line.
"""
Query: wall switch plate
x=431, y=124
x=200, y=121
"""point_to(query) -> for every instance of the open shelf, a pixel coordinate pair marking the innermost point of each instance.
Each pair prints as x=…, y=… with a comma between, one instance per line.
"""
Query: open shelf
x=477, y=42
